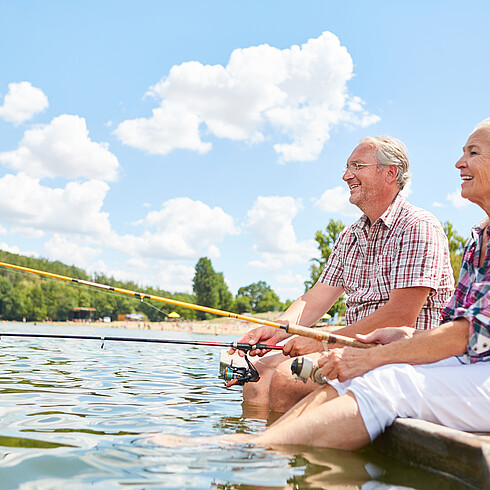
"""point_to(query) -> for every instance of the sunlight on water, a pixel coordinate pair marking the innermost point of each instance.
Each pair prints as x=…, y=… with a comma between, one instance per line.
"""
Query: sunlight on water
x=73, y=415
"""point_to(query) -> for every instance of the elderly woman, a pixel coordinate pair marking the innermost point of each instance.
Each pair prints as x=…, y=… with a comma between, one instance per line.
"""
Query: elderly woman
x=440, y=375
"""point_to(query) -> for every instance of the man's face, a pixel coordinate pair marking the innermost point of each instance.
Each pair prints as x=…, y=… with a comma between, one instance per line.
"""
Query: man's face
x=474, y=167
x=364, y=184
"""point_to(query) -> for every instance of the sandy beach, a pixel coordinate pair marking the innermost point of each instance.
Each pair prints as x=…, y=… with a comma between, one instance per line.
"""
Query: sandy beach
x=216, y=326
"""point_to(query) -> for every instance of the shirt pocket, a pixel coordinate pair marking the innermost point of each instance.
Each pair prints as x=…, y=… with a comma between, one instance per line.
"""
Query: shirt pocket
x=381, y=274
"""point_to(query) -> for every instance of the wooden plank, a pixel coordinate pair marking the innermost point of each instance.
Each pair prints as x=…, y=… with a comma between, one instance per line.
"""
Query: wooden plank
x=463, y=455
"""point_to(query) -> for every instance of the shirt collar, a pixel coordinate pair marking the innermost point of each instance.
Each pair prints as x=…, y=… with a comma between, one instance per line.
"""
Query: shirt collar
x=481, y=225
x=478, y=229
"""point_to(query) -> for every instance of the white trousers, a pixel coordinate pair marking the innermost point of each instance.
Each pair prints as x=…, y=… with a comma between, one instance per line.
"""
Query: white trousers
x=446, y=392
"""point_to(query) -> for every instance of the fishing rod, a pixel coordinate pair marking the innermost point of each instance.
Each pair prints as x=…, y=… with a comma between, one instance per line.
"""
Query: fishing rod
x=230, y=373
x=293, y=329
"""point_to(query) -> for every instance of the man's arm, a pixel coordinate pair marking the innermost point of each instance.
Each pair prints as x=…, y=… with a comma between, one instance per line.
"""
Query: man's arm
x=310, y=307
x=305, y=311
x=402, y=309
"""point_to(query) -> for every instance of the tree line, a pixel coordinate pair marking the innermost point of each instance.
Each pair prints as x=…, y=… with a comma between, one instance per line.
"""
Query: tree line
x=29, y=297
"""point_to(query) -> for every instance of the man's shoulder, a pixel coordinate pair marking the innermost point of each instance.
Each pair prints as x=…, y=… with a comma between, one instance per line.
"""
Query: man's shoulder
x=409, y=215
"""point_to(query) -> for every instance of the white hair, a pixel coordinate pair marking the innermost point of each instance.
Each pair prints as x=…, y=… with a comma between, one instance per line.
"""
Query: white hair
x=485, y=124
x=391, y=151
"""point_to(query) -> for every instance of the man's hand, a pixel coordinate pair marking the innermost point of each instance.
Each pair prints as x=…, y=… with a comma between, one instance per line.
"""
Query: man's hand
x=387, y=335
x=347, y=363
x=261, y=335
x=299, y=346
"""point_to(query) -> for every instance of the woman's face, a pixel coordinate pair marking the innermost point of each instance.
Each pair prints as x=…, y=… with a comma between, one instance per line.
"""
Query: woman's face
x=474, y=167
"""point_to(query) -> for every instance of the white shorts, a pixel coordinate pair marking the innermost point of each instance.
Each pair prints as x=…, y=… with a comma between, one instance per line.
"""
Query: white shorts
x=446, y=392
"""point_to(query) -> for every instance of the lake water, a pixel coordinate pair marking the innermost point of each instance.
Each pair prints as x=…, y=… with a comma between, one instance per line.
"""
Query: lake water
x=73, y=415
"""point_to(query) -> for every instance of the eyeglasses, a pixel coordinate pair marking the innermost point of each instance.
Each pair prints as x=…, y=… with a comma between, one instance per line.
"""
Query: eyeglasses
x=354, y=167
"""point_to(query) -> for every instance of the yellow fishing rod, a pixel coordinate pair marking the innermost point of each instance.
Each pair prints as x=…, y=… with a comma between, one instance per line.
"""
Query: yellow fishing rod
x=320, y=335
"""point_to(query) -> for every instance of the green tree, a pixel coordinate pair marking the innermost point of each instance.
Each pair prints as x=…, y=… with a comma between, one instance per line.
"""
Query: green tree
x=6, y=298
x=39, y=310
x=225, y=298
x=261, y=297
x=210, y=288
x=242, y=305
x=268, y=302
x=326, y=242
x=456, y=247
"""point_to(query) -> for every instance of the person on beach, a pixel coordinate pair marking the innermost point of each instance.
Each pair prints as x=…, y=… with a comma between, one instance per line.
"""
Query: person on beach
x=393, y=264
x=440, y=375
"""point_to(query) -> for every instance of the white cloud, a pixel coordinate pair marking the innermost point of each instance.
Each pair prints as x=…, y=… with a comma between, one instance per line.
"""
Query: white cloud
x=171, y=276
x=291, y=286
x=170, y=127
x=22, y=102
x=298, y=95
x=456, y=200
x=407, y=190
x=62, y=148
x=72, y=252
x=165, y=274
x=288, y=278
x=16, y=250
x=336, y=200
x=27, y=232
x=438, y=204
x=76, y=208
x=270, y=220
x=183, y=228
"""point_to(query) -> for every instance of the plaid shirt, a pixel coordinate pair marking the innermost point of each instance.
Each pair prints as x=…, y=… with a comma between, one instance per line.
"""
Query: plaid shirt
x=406, y=247
x=471, y=300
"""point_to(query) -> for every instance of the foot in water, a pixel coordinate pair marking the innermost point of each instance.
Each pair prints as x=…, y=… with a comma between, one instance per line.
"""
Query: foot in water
x=169, y=440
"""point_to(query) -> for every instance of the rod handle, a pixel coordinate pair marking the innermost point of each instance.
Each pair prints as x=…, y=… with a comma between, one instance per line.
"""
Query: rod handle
x=328, y=337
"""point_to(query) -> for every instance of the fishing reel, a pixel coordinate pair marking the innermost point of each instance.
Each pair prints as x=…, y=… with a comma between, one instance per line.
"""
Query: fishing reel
x=305, y=369
x=236, y=370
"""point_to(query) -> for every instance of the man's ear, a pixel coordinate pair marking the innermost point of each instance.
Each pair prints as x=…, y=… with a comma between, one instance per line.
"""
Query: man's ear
x=391, y=174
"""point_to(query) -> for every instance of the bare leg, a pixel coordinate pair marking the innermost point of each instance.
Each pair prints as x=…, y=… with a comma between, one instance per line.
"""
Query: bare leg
x=286, y=390
x=322, y=419
x=258, y=393
x=277, y=388
x=307, y=405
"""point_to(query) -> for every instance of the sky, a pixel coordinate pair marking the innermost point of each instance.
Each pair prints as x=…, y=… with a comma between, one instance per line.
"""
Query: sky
x=137, y=137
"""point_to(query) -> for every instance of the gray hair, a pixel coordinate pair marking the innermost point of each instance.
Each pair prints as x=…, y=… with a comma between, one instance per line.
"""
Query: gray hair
x=485, y=124
x=391, y=151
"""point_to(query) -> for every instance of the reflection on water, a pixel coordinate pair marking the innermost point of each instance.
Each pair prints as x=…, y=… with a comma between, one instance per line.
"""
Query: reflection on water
x=74, y=416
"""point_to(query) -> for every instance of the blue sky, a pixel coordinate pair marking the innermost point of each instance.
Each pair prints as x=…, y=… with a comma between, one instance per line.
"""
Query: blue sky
x=136, y=137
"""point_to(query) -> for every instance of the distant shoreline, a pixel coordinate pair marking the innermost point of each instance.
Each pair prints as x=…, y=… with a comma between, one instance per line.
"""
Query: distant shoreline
x=216, y=326
x=212, y=327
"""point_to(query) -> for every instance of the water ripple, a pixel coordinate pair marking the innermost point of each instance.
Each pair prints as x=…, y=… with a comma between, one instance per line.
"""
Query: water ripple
x=73, y=415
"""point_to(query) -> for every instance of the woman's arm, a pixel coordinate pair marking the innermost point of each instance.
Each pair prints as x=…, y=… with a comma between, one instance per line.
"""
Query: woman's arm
x=450, y=339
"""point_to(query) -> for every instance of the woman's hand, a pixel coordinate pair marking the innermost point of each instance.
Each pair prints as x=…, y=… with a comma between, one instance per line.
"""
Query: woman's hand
x=347, y=363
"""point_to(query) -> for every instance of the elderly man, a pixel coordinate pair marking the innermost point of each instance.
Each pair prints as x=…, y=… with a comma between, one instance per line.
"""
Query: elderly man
x=413, y=373
x=393, y=264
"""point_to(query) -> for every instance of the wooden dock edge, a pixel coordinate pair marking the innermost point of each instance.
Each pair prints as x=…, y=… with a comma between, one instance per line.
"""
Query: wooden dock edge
x=463, y=455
